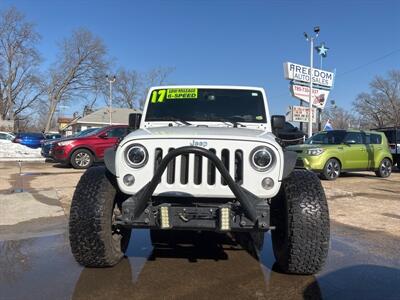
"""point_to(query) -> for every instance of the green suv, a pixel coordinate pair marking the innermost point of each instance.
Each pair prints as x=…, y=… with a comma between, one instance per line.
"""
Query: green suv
x=332, y=152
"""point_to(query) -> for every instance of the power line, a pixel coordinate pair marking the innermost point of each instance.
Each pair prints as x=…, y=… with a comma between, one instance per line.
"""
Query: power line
x=368, y=63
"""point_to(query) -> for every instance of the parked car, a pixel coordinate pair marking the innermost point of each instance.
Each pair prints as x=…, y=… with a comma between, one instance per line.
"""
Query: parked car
x=29, y=139
x=81, y=152
x=48, y=144
x=6, y=136
x=393, y=136
x=290, y=134
x=332, y=152
x=53, y=136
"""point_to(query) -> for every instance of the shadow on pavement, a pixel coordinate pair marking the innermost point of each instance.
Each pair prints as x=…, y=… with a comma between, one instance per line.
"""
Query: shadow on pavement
x=213, y=268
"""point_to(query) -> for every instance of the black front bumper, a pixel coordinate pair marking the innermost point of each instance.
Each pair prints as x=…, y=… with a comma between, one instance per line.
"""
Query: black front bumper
x=246, y=212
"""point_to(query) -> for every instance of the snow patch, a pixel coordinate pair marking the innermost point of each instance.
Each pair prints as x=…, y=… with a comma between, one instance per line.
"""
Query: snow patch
x=13, y=150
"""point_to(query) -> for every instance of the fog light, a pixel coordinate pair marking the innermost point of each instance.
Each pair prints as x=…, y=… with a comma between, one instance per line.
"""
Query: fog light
x=225, y=218
x=129, y=179
x=164, y=217
x=267, y=183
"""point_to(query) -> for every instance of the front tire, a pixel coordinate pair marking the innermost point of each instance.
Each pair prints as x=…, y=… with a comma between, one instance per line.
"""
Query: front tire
x=82, y=159
x=331, y=169
x=300, y=214
x=385, y=168
x=94, y=238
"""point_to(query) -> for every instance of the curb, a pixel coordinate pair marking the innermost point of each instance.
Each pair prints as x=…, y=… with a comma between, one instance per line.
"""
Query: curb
x=23, y=159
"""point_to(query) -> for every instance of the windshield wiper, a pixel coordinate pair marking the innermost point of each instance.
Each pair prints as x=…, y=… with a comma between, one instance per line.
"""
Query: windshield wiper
x=178, y=121
x=234, y=124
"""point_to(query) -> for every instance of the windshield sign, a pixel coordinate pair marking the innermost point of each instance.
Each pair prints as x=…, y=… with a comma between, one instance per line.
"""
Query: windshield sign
x=208, y=105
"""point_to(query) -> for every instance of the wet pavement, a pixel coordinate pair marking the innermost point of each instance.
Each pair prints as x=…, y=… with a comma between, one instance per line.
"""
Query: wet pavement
x=361, y=265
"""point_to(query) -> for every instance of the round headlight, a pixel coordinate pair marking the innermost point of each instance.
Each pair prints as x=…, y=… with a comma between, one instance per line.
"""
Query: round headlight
x=136, y=156
x=261, y=158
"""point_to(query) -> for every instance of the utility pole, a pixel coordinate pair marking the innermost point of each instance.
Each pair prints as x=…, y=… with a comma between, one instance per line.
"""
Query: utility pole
x=311, y=40
x=110, y=81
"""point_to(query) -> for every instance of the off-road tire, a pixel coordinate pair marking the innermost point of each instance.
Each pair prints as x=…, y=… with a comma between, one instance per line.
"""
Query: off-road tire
x=333, y=174
x=385, y=168
x=94, y=240
x=81, y=152
x=300, y=214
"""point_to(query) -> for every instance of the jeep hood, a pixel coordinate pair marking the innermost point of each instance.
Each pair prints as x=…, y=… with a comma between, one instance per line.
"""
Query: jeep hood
x=191, y=132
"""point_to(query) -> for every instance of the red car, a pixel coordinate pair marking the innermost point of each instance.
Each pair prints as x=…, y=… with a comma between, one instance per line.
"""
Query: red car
x=82, y=152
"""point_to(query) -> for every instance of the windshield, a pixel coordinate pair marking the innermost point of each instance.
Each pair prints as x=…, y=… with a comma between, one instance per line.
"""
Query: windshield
x=327, y=138
x=89, y=131
x=219, y=105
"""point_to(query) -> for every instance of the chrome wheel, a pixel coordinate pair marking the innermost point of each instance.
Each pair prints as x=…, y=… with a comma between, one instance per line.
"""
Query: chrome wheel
x=386, y=168
x=82, y=159
x=332, y=169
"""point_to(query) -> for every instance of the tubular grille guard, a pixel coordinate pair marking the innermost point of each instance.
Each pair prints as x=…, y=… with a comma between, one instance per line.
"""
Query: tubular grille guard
x=247, y=200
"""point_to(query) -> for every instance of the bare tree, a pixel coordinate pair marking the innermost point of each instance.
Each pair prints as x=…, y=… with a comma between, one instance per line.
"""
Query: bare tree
x=381, y=106
x=127, y=88
x=340, y=118
x=156, y=76
x=80, y=65
x=131, y=87
x=20, y=84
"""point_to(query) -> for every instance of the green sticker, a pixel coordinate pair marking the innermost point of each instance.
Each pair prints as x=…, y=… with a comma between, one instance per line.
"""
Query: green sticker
x=158, y=96
x=259, y=118
x=182, y=93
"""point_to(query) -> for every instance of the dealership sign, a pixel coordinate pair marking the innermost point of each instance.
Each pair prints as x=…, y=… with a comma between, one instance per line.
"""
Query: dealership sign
x=302, y=92
x=300, y=114
x=301, y=73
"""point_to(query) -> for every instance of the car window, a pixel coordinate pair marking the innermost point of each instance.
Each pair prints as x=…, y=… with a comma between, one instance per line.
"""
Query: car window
x=375, y=139
x=354, y=138
x=327, y=138
x=3, y=136
x=32, y=135
x=390, y=134
x=117, y=132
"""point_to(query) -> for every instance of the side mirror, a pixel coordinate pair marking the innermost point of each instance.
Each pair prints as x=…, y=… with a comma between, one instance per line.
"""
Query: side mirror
x=103, y=135
x=277, y=122
x=134, y=121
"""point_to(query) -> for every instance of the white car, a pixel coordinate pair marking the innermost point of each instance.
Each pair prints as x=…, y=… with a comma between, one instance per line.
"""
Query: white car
x=6, y=136
x=201, y=158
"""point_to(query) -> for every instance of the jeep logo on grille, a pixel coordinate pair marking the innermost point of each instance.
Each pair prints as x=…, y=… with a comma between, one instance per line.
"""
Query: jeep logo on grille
x=199, y=143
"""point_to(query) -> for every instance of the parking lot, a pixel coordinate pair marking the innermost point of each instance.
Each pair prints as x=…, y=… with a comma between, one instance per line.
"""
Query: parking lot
x=35, y=201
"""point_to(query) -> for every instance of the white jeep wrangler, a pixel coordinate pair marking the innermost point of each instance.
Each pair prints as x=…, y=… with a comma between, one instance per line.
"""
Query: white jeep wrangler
x=201, y=158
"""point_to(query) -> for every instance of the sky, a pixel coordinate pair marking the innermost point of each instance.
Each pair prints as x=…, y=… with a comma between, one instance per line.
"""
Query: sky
x=232, y=42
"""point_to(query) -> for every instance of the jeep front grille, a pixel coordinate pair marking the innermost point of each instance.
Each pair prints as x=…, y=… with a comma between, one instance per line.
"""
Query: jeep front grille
x=196, y=169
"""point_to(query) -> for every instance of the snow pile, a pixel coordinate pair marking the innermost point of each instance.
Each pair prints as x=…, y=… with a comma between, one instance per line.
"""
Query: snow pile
x=13, y=150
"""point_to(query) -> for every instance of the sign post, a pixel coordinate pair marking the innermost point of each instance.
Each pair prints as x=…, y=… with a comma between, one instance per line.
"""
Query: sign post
x=311, y=86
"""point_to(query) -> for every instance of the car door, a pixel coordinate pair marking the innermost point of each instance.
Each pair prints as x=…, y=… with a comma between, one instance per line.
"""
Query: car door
x=355, y=154
x=108, y=139
x=375, y=142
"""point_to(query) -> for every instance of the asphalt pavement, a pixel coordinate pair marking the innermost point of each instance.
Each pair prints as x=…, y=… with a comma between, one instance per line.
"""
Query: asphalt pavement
x=361, y=265
x=36, y=261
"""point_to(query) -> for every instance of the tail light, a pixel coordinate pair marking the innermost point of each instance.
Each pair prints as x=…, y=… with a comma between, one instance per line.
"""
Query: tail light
x=16, y=140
